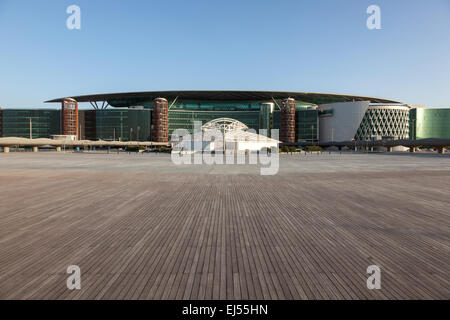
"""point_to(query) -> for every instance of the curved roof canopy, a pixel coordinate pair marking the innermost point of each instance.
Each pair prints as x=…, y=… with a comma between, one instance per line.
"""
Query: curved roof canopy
x=231, y=130
x=137, y=98
x=224, y=125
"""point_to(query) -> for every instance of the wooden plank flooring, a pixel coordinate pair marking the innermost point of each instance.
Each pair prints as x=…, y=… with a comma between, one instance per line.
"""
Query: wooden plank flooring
x=206, y=236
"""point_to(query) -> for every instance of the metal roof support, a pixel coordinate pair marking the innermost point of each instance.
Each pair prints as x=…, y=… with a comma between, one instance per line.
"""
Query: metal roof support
x=279, y=108
x=93, y=106
x=171, y=105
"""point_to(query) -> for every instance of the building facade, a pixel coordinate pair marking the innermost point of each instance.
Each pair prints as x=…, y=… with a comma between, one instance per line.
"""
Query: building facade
x=340, y=121
x=26, y=123
x=298, y=116
x=122, y=125
x=307, y=125
x=363, y=121
x=383, y=121
x=430, y=123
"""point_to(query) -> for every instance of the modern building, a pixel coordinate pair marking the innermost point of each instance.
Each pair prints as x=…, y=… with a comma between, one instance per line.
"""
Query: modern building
x=363, y=121
x=294, y=114
x=380, y=121
x=121, y=124
x=429, y=123
x=299, y=116
x=29, y=123
x=113, y=124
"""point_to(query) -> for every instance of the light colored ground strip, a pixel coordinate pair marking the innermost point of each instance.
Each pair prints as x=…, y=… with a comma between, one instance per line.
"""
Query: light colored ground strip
x=161, y=163
x=141, y=228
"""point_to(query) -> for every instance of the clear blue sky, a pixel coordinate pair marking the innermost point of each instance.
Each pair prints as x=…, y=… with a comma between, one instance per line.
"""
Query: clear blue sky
x=309, y=45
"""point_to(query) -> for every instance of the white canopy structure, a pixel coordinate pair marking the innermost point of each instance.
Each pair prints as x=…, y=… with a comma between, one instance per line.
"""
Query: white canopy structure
x=225, y=134
x=225, y=125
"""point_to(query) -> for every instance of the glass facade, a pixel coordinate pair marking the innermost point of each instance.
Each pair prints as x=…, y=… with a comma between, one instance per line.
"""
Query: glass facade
x=266, y=116
x=301, y=106
x=135, y=124
x=231, y=105
x=88, y=126
x=277, y=119
x=216, y=106
x=182, y=114
x=183, y=119
x=44, y=123
x=430, y=123
x=384, y=122
x=123, y=124
x=307, y=125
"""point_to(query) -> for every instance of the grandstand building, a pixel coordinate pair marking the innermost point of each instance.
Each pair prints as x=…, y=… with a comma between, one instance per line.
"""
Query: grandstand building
x=299, y=116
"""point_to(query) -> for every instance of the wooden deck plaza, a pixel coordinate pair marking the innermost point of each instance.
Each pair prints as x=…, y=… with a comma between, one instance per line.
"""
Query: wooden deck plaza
x=157, y=234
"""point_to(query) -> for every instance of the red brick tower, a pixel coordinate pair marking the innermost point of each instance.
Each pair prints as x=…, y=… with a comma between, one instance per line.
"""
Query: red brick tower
x=287, y=134
x=69, y=117
x=160, y=120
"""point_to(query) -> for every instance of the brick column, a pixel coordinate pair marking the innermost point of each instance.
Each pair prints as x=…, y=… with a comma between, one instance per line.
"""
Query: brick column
x=287, y=134
x=69, y=117
x=160, y=120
